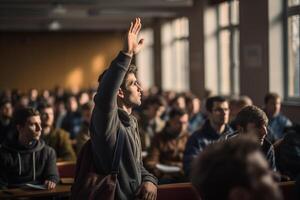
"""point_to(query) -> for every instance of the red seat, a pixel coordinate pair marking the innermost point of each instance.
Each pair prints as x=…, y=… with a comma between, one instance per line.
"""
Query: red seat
x=176, y=191
x=66, y=169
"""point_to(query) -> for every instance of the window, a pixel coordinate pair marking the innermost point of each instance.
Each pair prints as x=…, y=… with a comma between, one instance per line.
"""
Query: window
x=222, y=48
x=175, y=55
x=145, y=59
x=293, y=49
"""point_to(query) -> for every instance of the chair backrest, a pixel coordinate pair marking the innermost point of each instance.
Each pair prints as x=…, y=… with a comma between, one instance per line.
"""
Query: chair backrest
x=66, y=169
x=186, y=191
x=177, y=191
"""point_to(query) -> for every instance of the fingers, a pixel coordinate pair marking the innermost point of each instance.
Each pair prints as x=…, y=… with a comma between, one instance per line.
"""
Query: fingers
x=131, y=27
x=137, y=26
x=50, y=185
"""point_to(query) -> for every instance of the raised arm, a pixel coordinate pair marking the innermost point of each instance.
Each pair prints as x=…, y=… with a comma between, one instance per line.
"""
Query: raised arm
x=105, y=121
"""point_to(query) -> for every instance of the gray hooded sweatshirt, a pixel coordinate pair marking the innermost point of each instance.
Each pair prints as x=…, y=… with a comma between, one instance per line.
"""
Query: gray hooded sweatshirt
x=20, y=165
x=107, y=118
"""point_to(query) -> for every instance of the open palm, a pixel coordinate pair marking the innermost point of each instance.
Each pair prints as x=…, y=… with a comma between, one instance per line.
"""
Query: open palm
x=133, y=45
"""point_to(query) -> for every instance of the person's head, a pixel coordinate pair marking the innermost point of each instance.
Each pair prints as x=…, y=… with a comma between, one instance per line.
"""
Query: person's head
x=252, y=119
x=178, y=121
x=47, y=114
x=87, y=110
x=237, y=104
x=130, y=92
x=178, y=102
x=193, y=104
x=72, y=104
x=217, y=108
x=6, y=109
x=234, y=169
x=28, y=123
x=155, y=106
x=33, y=94
x=272, y=104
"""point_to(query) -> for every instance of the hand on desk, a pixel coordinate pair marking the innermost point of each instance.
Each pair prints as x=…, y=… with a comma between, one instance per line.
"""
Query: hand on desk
x=50, y=185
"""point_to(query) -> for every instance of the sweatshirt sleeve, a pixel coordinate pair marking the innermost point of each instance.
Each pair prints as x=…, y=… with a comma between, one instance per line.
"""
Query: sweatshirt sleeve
x=147, y=176
x=104, y=118
x=51, y=171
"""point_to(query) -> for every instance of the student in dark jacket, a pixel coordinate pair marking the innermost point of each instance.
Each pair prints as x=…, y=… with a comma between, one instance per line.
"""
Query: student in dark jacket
x=214, y=128
x=252, y=119
x=24, y=157
x=118, y=93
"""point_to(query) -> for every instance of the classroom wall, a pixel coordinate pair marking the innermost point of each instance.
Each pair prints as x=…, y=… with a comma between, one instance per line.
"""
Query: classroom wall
x=44, y=60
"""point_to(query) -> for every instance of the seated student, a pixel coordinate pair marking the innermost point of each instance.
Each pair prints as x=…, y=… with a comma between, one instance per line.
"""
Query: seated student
x=168, y=147
x=56, y=138
x=196, y=117
x=277, y=121
x=252, y=119
x=84, y=134
x=150, y=121
x=6, y=112
x=24, y=158
x=214, y=128
x=234, y=170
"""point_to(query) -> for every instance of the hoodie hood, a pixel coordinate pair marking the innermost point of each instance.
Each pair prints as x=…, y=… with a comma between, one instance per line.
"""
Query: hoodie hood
x=12, y=144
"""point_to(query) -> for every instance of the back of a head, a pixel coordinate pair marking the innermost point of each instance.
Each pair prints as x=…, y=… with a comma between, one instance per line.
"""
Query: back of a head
x=223, y=166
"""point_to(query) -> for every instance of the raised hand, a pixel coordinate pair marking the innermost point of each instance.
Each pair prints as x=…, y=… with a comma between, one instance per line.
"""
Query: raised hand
x=132, y=45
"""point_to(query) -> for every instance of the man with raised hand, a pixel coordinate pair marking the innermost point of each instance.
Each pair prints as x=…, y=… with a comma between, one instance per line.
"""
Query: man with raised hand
x=118, y=93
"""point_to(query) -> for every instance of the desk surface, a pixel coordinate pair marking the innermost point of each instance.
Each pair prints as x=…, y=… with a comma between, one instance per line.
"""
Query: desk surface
x=28, y=192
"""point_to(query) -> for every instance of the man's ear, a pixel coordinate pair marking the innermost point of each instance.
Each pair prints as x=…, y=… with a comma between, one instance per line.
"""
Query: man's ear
x=120, y=93
x=239, y=193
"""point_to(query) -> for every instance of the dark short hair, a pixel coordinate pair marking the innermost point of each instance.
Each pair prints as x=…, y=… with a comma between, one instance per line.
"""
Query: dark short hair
x=43, y=105
x=176, y=112
x=132, y=69
x=223, y=166
x=21, y=115
x=251, y=114
x=211, y=100
x=4, y=102
x=155, y=100
x=271, y=95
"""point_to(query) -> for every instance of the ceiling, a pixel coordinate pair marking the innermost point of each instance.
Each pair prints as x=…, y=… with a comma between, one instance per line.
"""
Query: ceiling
x=82, y=15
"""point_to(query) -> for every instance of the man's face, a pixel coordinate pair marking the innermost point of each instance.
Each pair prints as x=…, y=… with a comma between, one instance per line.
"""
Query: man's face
x=178, y=124
x=133, y=91
x=7, y=110
x=263, y=186
x=260, y=132
x=32, y=128
x=273, y=106
x=220, y=113
x=47, y=116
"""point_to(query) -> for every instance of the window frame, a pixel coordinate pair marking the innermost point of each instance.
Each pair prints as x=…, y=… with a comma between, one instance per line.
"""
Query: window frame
x=288, y=12
x=233, y=29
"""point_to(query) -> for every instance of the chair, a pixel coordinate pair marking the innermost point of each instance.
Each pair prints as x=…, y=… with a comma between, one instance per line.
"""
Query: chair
x=66, y=170
x=177, y=191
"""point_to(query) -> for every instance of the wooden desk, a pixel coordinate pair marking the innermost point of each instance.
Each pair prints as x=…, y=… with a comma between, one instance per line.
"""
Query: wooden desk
x=60, y=190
